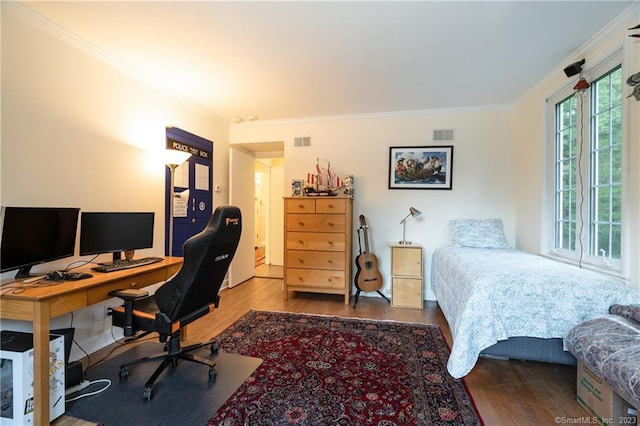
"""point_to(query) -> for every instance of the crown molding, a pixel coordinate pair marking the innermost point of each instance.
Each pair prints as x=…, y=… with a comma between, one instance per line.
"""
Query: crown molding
x=389, y=114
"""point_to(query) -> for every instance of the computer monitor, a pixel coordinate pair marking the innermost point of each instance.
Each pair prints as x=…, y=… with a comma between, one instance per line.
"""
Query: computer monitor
x=34, y=235
x=115, y=232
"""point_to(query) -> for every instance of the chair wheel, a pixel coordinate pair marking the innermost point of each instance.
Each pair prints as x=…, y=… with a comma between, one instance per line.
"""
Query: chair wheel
x=124, y=373
x=215, y=348
x=146, y=395
x=213, y=374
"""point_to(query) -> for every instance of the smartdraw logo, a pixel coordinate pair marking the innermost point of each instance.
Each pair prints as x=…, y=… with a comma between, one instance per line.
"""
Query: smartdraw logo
x=232, y=221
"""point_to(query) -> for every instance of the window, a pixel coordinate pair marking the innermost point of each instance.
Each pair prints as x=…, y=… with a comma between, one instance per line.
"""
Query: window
x=588, y=182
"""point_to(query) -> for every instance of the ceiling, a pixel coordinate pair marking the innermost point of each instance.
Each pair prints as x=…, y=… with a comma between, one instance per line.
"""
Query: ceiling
x=287, y=60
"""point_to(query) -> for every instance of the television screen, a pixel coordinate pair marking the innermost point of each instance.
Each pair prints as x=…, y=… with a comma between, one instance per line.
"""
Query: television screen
x=34, y=235
x=114, y=232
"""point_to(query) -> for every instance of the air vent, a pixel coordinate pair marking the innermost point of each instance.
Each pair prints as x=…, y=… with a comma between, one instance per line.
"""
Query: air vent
x=301, y=141
x=442, y=135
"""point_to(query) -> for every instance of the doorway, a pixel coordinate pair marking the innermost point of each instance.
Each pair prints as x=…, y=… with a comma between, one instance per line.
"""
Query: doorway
x=268, y=214
x=258, y=169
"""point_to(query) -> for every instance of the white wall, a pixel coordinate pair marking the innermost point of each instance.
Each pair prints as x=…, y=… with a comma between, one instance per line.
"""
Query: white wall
x=78, y=131
x=483, y=171
x=275, y=256
x=531, y=143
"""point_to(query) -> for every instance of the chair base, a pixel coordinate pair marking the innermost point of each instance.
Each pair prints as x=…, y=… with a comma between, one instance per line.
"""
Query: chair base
x=173, y=352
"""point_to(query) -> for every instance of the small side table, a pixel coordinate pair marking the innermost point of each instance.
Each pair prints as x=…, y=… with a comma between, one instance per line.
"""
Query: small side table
x=406, y=276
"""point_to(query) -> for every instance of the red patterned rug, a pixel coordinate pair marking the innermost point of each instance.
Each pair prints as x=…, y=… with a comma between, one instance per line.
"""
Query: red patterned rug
x=322, y=370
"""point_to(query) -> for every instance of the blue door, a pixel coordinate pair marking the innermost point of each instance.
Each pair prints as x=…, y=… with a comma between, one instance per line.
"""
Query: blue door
x=192, y=193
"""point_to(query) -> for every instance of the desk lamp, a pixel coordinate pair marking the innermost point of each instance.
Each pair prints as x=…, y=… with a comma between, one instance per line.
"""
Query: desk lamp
x=413, y=212
x=173, y=159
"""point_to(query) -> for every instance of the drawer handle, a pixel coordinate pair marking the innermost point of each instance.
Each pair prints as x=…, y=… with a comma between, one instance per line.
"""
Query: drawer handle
x=301, y=224
x=134, y=284
x=301, y=261
x=301, y=242
x=330, y=243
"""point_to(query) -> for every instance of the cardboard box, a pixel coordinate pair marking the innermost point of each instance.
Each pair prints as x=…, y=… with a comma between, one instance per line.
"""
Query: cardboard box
x=597, y=397
x=16, y=378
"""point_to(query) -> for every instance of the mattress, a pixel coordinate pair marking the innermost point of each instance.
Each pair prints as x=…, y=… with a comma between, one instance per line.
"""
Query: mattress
x=490, y=295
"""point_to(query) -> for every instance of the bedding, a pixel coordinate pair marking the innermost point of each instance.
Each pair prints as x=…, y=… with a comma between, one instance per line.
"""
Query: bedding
x=489, y=295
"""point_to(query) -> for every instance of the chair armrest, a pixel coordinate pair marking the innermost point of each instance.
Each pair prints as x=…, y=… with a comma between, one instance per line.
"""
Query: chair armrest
x=129, y=294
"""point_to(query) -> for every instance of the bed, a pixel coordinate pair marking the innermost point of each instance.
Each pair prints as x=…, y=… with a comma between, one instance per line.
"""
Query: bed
x=505, y=302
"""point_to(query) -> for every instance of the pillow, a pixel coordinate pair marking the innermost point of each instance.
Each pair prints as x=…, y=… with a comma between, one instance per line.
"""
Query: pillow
x=627, y=311
x=479, y=233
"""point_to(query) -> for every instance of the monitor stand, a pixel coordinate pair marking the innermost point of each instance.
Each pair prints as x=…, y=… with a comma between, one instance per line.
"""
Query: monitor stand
x=25, y=272
x=117, y=256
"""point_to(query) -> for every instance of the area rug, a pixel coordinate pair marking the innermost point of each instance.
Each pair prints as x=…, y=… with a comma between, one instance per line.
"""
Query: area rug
x=321, y=370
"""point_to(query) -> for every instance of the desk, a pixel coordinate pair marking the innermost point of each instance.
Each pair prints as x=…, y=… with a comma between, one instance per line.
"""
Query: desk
x=40, y=304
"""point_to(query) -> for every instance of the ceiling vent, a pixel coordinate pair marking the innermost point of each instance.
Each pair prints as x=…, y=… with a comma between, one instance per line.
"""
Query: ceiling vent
x=443, y=135
x=301, y=141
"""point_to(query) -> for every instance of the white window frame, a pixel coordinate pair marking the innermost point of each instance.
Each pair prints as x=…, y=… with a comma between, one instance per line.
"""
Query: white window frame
x=580, y=256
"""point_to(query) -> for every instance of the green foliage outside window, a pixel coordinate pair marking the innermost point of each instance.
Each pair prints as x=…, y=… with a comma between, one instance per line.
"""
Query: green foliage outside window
x=601, y=137
x=606, y=158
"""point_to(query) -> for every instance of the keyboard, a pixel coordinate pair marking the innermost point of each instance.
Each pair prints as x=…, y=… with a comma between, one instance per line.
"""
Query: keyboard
x=126, y=264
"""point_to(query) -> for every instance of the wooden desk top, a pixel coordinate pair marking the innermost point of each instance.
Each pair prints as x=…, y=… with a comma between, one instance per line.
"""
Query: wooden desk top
x=44, y=289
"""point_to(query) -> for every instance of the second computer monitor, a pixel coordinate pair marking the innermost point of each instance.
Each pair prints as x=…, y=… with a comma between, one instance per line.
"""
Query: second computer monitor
x=115, y=232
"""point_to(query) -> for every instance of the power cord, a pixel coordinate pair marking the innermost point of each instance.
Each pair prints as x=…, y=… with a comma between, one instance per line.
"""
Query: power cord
x=81, y=263
x=83, y=385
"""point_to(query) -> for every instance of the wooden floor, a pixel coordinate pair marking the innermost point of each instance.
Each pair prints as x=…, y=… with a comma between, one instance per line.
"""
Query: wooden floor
x=505, y=392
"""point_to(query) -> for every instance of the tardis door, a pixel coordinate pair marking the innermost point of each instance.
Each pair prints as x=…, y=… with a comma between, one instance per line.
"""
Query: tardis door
x=192, y=196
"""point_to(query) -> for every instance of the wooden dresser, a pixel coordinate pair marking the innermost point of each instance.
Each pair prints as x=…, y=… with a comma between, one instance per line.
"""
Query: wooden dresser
x=317, y=245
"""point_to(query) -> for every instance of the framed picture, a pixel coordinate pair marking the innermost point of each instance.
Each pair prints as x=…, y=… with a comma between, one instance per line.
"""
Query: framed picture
x=420, y=167
x=296, y=187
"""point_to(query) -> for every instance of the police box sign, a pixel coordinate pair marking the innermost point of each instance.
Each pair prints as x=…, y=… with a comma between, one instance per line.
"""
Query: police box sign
x=185, y=147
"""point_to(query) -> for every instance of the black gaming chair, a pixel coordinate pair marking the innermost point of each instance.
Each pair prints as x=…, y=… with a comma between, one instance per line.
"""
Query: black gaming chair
x=187, y=296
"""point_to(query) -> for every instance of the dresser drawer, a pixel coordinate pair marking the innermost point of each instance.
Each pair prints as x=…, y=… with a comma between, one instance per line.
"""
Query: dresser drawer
x=315, y=278
x=331, y=205
x=406, y=261
x=300, y=205
x=328, y=241
x=315, y=259
x=316, y=222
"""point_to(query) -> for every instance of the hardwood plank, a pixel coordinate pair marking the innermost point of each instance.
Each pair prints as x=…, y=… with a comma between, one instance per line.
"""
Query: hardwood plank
x=505, y=392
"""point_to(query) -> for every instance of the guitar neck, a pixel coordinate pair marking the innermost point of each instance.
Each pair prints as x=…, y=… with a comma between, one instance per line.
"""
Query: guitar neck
x=366, y=240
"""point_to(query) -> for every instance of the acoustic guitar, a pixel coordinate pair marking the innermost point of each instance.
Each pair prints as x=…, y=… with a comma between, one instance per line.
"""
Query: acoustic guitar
x=368, y=277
